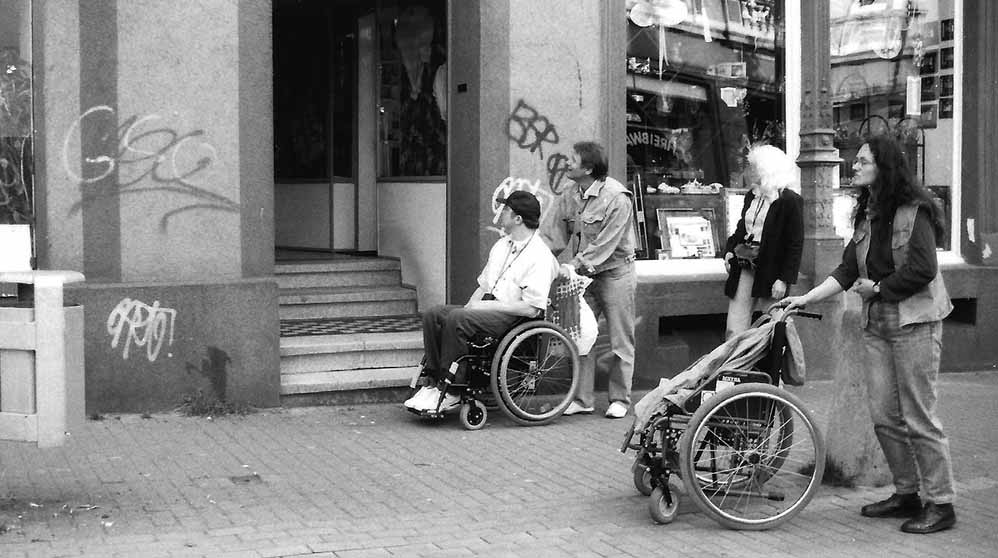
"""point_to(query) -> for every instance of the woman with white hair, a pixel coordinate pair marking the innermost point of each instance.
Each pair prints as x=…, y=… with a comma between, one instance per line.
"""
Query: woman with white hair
x=762, y=257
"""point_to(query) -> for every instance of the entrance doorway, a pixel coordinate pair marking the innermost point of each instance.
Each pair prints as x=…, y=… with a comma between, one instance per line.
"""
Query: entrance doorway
x=324, y=187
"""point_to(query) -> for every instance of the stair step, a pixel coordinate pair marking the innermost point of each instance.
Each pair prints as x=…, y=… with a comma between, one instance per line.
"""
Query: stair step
x=363, y=278
x=335, y=266
x=349, y=329
x=338, y=302
x=354, y=351
x=316, y=295
x=344, y=380
x=348, y=272
x=346, y=309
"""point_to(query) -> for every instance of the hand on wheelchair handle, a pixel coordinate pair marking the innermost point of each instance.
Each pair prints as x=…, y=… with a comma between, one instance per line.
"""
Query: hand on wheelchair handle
x=779, y=289
x=789, y=303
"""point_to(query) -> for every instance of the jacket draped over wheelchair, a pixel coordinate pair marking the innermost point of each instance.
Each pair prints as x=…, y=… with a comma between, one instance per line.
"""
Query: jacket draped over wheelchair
x=738, y=353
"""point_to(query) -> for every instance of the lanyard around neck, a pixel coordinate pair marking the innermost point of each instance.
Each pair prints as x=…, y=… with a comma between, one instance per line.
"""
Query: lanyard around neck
x=505, y=267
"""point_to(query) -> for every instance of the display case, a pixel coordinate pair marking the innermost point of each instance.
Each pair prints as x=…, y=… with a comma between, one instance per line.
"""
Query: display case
x=660, y=207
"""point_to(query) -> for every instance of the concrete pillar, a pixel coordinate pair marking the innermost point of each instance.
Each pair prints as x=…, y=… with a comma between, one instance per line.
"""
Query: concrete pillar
x=853, y=451
x=819, y=159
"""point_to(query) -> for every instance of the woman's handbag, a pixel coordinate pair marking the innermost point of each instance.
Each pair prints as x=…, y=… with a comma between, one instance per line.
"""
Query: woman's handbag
x=746, y=254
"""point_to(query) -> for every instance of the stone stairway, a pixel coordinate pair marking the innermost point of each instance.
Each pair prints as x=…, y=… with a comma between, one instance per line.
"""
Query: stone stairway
x=349, y=329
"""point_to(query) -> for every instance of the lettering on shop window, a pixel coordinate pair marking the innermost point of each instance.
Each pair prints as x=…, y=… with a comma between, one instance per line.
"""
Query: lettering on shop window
x=677, y=142
x=146, y=326
x=141, y=155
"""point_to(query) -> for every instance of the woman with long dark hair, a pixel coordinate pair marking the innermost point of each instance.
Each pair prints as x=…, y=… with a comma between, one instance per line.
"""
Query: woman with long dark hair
x=891, y=263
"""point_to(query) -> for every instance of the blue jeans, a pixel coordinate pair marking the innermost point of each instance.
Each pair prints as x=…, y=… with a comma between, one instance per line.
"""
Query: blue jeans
x=611, y=294
x=902, y=366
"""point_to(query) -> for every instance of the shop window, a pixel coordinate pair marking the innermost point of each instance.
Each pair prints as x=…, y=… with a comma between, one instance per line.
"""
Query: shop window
x=17, y=214
x=315, y=76
x=412, y=83
x=895, y=71
x=705, y=82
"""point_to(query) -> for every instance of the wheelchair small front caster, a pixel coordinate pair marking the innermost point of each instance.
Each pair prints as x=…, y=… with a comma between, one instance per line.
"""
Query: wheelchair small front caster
x=473, y=415
x=642, y=477
x=660, y=508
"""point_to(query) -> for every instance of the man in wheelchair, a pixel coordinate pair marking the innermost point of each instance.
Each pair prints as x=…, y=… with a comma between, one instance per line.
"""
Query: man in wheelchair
x=513, y=285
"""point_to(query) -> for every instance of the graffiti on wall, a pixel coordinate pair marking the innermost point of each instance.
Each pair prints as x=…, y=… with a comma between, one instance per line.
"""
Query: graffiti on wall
x=557, y=167
x=511, y=184
x=144, y=325
x=142, y=154
x=530, y=130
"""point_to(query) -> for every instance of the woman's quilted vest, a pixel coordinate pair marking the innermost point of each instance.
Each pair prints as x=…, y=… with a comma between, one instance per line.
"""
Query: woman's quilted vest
x=930, y=304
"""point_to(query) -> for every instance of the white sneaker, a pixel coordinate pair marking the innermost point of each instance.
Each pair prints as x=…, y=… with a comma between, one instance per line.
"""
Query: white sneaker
x=574, y=408
x=428, y=400
x=617, y=409
x=413, y=401
x=449, y=403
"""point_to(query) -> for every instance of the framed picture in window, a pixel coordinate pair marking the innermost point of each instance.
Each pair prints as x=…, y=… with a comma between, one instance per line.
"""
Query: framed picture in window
x=946, y=85
x=640, y=227
x=946, y=107
x=928, y=63
x=946, y=30
x=929, y=116
x=688, y=233
x=929, y=86
x=946, y=58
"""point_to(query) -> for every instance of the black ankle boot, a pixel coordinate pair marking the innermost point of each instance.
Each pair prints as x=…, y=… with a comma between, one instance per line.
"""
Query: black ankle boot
x=898, y=505
x=933, y=517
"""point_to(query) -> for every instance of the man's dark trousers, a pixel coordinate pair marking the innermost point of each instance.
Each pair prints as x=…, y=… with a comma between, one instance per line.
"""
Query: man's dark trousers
x=448, y=328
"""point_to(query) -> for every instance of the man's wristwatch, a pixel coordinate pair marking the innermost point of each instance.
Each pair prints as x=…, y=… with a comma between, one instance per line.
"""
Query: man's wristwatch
x=876, y=288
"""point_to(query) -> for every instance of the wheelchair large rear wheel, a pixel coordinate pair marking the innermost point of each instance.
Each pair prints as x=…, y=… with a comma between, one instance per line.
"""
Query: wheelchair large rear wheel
x=751, y=457
x=534, y=373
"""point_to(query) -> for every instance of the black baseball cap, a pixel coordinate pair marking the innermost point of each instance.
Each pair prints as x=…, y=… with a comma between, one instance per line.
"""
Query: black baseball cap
x=525, y=205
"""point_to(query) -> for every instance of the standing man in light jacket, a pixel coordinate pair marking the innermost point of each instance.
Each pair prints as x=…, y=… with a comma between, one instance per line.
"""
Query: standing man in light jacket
x=590, y=229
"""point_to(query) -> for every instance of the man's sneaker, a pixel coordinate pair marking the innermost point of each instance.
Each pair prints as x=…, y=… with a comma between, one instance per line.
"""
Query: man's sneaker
x=449, y=403
x=413, y=402
x=616, y=410
x=426, y=399
x=574, y=408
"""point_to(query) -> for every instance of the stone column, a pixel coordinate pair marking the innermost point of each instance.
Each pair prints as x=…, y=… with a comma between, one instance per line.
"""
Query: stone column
x=854, y=456
x=819, y=159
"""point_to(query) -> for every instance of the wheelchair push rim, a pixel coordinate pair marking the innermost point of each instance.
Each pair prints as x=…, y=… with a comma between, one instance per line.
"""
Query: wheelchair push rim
x=751, y=457
x=535, y=372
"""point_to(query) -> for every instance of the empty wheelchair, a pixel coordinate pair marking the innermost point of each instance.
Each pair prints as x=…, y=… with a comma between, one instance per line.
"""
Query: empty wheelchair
x=749, y=453
x=529, y=374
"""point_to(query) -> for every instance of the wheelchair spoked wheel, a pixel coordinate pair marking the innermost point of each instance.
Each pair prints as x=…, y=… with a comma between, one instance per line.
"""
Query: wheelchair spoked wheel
x=775, y=456
x=535, y=372
x=751, y=457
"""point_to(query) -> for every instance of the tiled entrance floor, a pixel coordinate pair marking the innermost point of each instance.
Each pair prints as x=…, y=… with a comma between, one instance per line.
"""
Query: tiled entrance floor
x=337, y=326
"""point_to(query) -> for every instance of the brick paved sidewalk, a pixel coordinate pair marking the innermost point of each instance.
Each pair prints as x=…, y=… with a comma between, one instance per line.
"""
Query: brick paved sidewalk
x=375, y=481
